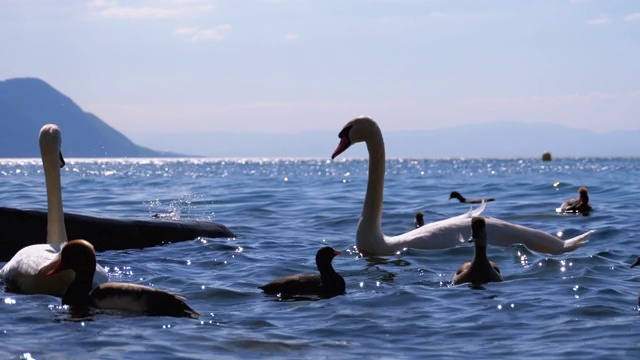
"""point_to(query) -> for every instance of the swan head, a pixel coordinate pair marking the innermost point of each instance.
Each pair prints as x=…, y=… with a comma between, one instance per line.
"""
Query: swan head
x=478, y=231
x=50, y=142
x=357, y=130
x=76, y=255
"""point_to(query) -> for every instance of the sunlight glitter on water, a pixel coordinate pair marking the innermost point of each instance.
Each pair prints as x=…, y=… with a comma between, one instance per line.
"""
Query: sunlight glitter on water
x=274, y=235
x=9, y=301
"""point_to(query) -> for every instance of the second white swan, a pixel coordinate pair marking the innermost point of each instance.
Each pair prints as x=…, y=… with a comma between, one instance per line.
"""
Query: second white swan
x=27, y=271
x=442, y=234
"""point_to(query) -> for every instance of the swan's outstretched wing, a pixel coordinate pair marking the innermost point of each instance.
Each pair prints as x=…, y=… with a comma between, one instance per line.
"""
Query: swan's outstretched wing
x=453, y=231
x=502, y=233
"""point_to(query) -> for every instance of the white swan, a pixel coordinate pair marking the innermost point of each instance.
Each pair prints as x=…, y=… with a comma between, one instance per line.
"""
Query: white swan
x=27, y=271
x=437, y=235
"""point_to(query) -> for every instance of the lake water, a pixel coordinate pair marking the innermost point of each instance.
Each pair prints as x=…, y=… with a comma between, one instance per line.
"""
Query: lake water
x=582, y=304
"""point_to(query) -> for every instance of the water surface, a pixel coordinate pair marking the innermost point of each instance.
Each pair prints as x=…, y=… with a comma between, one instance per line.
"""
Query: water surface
x=575, y=305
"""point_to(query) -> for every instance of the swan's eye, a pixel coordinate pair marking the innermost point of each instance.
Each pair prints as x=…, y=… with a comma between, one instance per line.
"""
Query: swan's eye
x=62, y=163
x=345, y=132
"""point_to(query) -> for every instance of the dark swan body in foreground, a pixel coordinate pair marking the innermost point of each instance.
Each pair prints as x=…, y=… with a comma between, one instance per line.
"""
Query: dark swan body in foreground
x=436, y=235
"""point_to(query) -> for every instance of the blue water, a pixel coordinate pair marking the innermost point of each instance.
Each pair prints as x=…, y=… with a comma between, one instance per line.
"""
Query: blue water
x=575, y=305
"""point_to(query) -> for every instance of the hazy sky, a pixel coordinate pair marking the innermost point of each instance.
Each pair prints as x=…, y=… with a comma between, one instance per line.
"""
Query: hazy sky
x=292, y=65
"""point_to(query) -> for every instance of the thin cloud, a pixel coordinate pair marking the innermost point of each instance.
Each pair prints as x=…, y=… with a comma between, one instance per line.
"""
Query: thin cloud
x=184, y=2
x=102, y=3
x=278, y=1
x=632, y=17
x=600, y=20
x=168, y=9
x=291, y=37
x=193, y=34
x=141, y=13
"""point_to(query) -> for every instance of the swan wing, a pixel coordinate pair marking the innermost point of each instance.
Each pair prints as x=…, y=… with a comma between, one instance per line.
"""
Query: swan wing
x=27, y=271
x=453, y=231
x=29, y=260
x=471, y=213
x=441, y=234
x=474, y=212
x=503, y=233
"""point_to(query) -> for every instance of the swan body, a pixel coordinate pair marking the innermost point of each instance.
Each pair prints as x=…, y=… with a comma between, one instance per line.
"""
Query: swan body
x=27, y=271
x=79, y=257
x=442, y=234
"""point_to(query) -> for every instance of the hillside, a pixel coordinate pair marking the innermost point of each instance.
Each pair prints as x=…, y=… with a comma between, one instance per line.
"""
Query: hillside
x=27, y=103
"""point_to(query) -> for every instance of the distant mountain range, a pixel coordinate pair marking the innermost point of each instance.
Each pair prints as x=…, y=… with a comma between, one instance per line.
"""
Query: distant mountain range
x=503, y=139
x=27, y=103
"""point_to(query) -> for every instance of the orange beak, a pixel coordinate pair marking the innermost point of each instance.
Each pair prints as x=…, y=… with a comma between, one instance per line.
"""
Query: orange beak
x=342, y=146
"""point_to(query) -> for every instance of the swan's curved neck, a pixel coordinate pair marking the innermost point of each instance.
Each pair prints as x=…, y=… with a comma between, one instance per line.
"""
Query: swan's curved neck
x=56, y=231
x=372, y=208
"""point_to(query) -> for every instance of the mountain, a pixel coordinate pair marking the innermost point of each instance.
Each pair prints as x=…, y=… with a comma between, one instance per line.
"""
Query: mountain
x=505, y=139
x=27, y=103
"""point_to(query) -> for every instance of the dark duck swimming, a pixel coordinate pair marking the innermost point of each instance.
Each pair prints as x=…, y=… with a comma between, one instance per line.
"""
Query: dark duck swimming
x=462, y=199
x=80, y=257
x=480, y=269
x=579, y=205
x=327, y=283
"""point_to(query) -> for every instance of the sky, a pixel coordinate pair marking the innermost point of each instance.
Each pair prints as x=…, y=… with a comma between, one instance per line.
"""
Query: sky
x=287, y=66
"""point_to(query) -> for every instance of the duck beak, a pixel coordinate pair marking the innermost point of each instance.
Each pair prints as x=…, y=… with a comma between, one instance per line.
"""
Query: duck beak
x=635, y=263
x=337, y=252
